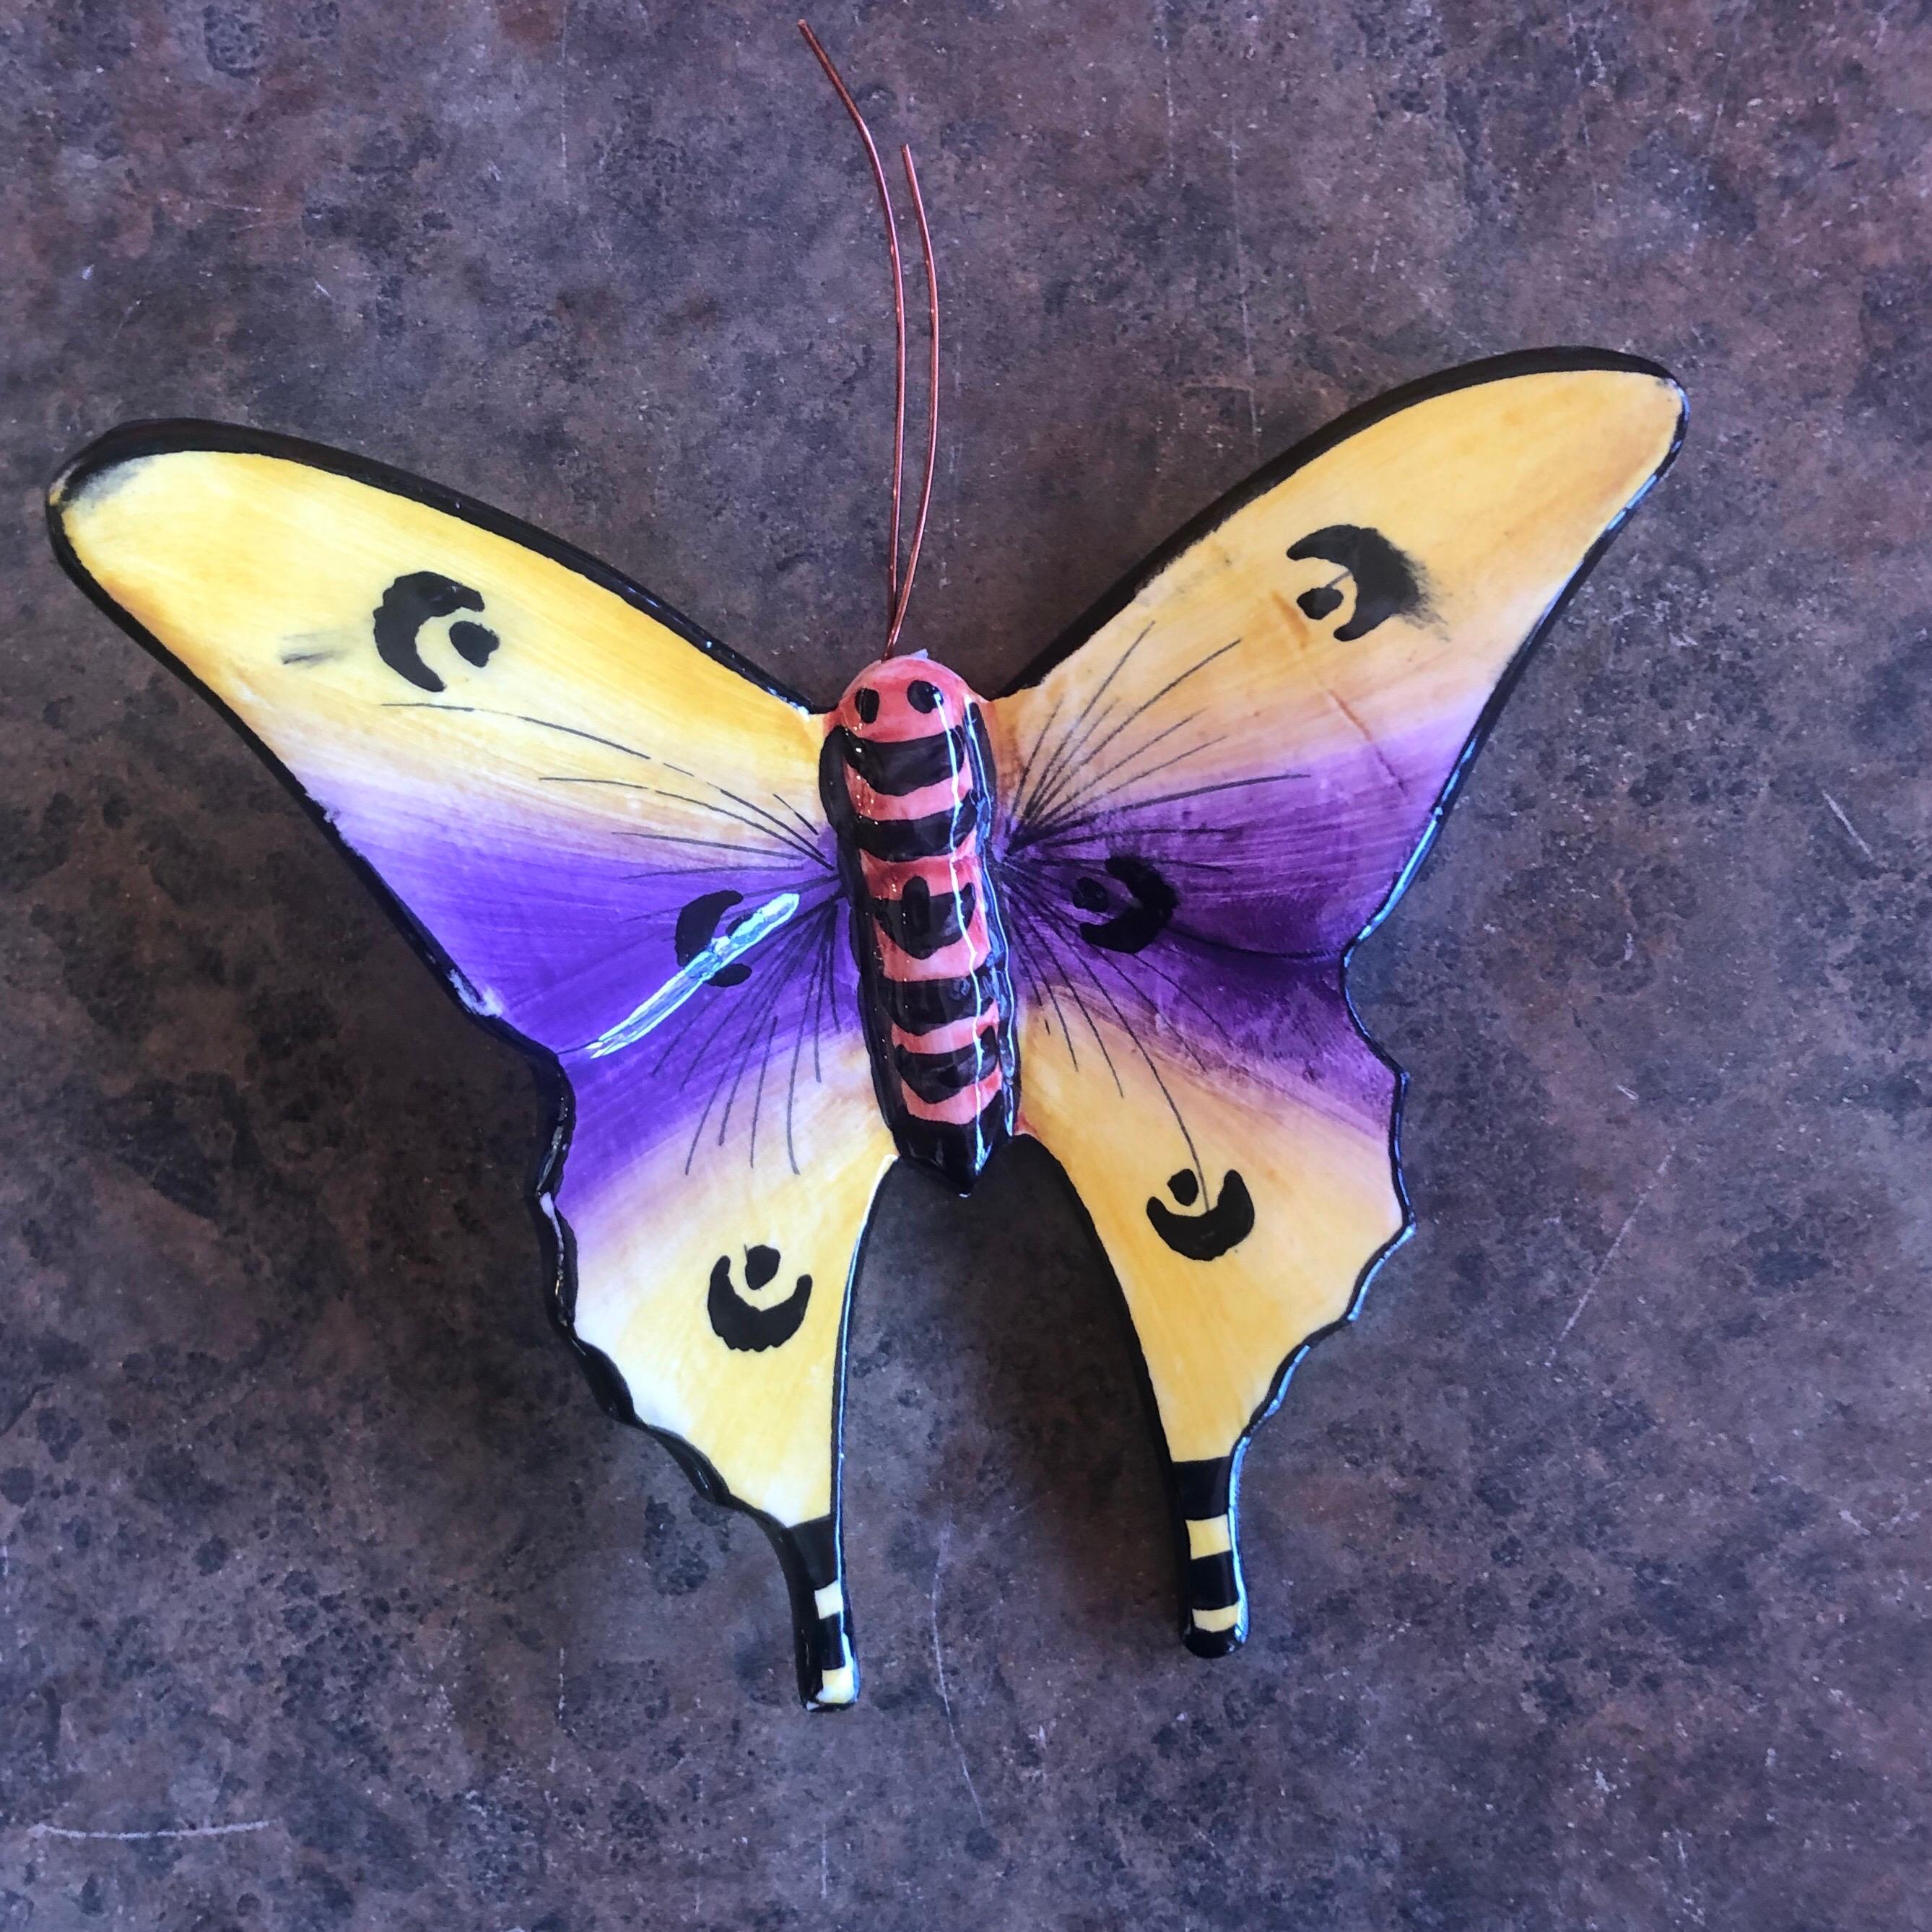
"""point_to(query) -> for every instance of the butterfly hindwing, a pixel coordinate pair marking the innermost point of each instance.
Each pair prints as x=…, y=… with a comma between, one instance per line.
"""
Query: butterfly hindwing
x=606, y=833
x=1212, y=796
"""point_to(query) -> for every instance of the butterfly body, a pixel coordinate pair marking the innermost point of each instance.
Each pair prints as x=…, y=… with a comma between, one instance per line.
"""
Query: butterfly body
x=907, y=781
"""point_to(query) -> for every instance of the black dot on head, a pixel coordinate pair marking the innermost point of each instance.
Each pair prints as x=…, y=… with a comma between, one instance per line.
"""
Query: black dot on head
x=921, y=696
x=1089, y=895
x=1183, y=1187
x=1318, y=602
x=865, y=702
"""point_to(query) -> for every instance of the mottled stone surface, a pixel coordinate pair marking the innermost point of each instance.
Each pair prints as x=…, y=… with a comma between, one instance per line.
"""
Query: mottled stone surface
x=1590, y=1572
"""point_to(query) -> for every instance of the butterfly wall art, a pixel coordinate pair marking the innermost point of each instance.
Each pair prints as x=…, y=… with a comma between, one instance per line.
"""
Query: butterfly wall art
x=765, y=951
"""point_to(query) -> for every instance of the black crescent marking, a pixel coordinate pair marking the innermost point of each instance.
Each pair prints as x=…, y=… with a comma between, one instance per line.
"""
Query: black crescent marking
x=1225, y=1224
x=407, y=605
x=739, y=1325
x=1135, y=927
x=697, y=927
x=1387, y=584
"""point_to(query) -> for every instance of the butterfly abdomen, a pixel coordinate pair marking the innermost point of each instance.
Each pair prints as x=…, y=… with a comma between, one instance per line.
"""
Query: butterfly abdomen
x=907, y=777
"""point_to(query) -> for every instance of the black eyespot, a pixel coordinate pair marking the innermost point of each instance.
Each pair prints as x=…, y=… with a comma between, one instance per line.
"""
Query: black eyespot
x=1184, y=1188
x=1318, y=602
x=1089, y=895
x=921, y=696
x=865, y=702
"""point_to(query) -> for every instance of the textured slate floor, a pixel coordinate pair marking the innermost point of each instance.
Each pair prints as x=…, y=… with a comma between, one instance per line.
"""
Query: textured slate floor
x=1590, y=1570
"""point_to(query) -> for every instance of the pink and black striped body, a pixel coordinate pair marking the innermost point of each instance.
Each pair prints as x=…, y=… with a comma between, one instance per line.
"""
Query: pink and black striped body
x=907, y=779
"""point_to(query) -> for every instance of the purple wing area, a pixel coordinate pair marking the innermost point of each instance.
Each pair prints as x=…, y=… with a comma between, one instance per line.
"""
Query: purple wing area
x=1292, y=861
x=735, y=1065
x=558, y=922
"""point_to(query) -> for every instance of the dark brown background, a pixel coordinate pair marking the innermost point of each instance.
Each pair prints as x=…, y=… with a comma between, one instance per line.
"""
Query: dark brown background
x=1589, y=1570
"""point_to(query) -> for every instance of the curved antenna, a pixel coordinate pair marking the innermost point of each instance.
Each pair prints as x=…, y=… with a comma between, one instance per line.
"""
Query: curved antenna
x=894, y=603
x=931, y=404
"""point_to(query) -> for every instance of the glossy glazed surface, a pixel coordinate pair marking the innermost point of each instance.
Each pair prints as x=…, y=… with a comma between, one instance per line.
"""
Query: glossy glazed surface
x=602, y=829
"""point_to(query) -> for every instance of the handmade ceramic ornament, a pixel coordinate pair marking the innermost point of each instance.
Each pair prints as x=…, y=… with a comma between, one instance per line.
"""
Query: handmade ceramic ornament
x=767, y=950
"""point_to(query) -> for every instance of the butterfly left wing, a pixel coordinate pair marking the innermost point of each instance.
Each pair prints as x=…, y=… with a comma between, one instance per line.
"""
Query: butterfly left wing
x=604, y=831
x=1211, y=799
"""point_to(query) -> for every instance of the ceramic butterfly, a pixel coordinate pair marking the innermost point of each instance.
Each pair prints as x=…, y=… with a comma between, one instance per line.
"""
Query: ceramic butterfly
x=769, y=949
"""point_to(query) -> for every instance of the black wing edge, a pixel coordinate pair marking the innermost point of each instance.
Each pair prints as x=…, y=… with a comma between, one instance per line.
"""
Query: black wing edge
x=172, y=437
x=554, y=1235
x=1527, y=362
x=1350, y=422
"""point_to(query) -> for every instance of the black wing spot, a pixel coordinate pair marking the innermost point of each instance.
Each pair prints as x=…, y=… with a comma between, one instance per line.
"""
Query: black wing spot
x=744, y=1326
x=1205, y=1236
x=411, y=602
x=1152, y=900
x=1388, y=582
x=697, y=927
x=865, y=702
x=474, y=642
x=923, y=696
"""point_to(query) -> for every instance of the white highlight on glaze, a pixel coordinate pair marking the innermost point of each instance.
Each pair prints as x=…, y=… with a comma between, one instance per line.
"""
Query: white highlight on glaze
x=726, y=947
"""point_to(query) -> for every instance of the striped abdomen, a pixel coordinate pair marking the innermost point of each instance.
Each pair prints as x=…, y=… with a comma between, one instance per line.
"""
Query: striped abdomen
x=907, y=779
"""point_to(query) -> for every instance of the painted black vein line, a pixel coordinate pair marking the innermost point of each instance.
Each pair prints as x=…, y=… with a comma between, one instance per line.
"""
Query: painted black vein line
x=1066, y=863
x=807, y=1007
x=1080, y=717
x=1043, y=910
x=1027, y=762
x=1061, y=831
x=1050, y=773
x=751, y=1022
x=758, y=1098
x=1134, y=1039
x=1139, y=751
x=1088, y=805
x=808, y=846
x=784, y=838
x=1043, y=991
x=815, y=832
x=517, y=718
x=824, y=916
x=1048, y=806
x=801, y=883
x=1038, y=933
x=778, y=957
x=778, y=856
x=1125, y=968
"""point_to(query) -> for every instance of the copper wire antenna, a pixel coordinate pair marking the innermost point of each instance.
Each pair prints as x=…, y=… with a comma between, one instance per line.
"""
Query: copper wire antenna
x=898, y=588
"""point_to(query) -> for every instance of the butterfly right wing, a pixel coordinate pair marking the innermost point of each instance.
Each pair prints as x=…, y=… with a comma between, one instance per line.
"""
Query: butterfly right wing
x=578, y=807
x=1211, y=798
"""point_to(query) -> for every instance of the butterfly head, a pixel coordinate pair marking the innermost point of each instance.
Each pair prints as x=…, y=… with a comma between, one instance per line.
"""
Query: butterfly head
x=905, y=698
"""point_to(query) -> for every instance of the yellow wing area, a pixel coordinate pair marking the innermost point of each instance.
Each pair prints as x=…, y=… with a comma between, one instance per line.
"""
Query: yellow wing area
x=762, y=1417
x=546, y=769
x=1214, y=1333
x=261, y=573
x=1249, y=754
